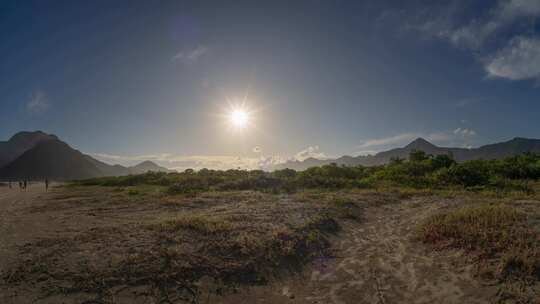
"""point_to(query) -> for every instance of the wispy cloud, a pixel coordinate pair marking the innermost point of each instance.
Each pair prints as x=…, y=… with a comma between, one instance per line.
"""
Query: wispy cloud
x=475, y=33
x=464, y=132
x=38, y=103
x=365, y=152
x=190, y=56
x=520, y=59
x=510, y=10
x=509, y=22
x=468, y=101
x=386, y=141
x=163, y=156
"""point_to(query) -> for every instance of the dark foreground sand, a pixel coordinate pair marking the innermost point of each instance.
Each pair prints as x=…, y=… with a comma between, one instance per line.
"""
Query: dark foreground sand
x=375, y=260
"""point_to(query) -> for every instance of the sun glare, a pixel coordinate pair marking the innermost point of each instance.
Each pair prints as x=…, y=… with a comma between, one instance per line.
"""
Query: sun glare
x=238, y=115
x=239, y=118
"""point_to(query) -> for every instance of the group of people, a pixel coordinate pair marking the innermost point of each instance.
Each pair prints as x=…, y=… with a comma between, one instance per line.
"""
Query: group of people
x=24, y=183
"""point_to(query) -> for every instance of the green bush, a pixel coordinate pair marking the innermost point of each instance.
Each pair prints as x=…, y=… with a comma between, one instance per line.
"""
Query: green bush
x=525, y=166
x=470, y=173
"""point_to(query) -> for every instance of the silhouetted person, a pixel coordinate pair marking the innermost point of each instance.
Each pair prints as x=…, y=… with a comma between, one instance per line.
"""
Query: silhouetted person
x=25, y=183
x=20, y=185
x=46, y=184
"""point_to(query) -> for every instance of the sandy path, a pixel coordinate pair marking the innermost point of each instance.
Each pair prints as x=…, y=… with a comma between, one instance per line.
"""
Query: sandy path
x=378, y=261
x=17, y=227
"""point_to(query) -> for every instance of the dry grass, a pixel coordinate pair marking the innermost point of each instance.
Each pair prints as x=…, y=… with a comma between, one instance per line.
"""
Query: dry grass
x=197, y=222
x=229, y=239
x=163, y=246
x=497, y=235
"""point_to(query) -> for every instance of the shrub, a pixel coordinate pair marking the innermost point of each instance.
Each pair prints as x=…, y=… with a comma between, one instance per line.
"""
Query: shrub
x=442, y=161
x=470, y=173
x=418, y=156
x=189, y=185
x=519, y=167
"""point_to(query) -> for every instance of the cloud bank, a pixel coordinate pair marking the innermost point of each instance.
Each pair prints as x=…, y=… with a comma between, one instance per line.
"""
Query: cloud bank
x=309, y=152
x=217, y=162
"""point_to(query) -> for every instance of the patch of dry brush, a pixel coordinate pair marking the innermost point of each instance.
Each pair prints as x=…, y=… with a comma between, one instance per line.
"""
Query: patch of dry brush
x=249, y=241
x=502, y=242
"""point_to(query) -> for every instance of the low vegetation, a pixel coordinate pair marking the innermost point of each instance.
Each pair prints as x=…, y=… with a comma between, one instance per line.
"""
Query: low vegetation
x=421, y=171
x=497, y=235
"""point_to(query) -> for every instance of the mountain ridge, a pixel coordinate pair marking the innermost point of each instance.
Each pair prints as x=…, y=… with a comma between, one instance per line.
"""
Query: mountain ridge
x=21, y=142
x=46, y=156
x=514, y=146
x=38, y=155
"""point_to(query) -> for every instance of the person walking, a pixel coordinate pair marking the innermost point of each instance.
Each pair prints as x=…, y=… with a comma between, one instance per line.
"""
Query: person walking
x=25, y=183
x=46, y=184
x=20, y=185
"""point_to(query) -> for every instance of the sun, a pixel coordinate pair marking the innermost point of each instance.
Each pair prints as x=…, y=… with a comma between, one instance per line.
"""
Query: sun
x=239, y=118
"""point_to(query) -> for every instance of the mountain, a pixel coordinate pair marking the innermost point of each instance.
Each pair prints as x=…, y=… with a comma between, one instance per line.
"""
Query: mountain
x=106, y=169
x=146, y=166
x=515, y=146
x=45, y=156
x=37, y=155
x=52, y=159
x=512, y=147
x=19, y=143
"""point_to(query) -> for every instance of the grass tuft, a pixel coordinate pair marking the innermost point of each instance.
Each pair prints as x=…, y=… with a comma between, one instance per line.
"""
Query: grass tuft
x=200, y=223
x=495, y=234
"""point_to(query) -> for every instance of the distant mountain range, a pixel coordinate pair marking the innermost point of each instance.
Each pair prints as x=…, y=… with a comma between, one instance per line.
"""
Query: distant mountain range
x=494, y=151
x=37, y=155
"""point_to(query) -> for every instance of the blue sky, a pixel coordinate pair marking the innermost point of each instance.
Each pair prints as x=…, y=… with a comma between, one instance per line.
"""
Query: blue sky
x=133, y=80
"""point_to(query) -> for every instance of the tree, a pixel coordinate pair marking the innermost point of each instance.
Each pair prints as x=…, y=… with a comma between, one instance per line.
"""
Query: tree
x=442, y=161
x=417, y=156
x=396, y=160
